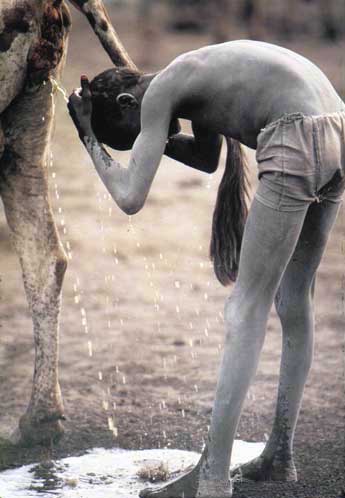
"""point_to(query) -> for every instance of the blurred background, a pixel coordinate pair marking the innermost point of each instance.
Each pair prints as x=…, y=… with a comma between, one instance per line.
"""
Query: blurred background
x=258, y=18
x=142, y=320
x=221, y=20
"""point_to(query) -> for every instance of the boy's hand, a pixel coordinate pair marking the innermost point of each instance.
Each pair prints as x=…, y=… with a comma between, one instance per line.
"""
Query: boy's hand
x=80, y=108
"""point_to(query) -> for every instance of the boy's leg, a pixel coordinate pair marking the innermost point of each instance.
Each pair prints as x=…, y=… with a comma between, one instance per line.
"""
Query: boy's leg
x=294, y=304
x=269, y=241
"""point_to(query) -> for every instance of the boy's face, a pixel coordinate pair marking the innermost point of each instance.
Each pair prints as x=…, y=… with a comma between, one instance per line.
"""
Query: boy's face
x=120, y=130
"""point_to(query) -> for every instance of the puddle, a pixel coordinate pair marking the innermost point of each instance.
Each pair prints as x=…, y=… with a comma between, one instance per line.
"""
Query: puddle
x=102, y=473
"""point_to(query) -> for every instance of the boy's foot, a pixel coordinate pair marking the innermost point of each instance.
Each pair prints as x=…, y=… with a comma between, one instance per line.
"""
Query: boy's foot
x=266, y=469
x=190, y=485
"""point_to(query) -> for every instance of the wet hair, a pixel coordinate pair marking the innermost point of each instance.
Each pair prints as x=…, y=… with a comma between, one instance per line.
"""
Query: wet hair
x=230, y=215
x=106, y=113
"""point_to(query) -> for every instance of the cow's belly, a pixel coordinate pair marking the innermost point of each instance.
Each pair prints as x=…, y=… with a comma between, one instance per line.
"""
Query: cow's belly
x=17, y=32
x=13, y=64
x=32, y=44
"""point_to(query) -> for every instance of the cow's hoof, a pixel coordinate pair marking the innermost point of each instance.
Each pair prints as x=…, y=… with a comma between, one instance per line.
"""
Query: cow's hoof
x=266, y=469
x=44, y=429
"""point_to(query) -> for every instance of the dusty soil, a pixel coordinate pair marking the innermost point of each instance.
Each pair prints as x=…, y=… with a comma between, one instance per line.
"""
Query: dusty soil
x=153, y=309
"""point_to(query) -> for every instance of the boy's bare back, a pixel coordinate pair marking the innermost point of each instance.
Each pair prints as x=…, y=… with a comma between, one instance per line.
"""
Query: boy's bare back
x=236, y=88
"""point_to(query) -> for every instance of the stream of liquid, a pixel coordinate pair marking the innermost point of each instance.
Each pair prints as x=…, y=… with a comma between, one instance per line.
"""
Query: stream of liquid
x=78, y=293
x=196, y=334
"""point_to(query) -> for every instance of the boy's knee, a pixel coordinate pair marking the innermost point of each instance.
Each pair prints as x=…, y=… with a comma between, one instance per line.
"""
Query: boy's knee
x=232, y=310
x=293, y=305
x=238, y=310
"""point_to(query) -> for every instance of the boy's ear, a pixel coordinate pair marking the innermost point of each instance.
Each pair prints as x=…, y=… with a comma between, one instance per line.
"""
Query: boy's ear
x=127, y=101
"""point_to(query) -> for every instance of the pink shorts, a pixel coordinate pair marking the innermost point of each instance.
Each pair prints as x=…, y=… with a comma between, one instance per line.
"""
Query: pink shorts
x=301, y=159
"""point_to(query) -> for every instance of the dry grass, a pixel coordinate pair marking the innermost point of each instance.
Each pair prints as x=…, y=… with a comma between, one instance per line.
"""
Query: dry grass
x=154, y=472
x=71, y=482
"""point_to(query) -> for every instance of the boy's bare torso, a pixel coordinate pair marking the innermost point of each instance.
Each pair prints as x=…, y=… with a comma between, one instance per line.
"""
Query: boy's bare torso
x=233, y=89
x=237, y=88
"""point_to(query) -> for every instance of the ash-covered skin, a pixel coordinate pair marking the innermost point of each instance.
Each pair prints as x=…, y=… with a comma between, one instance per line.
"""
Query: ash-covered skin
x=276, y=463
x=234, y=89
x=26, y=117
x=218, y=101
x=113, y=125
x=98, y=152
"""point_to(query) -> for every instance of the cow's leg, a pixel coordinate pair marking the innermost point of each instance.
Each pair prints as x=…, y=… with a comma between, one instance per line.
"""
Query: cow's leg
x=24, y=191
x=100, y=22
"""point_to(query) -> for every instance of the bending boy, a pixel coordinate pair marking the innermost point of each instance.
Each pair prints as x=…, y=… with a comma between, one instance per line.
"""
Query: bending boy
x=282, y=105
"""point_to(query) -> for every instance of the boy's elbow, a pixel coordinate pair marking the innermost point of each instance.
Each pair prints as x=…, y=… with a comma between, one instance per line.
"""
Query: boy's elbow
x=130, y=205
x=209, y=163
x=211, y=167
x=131, y=209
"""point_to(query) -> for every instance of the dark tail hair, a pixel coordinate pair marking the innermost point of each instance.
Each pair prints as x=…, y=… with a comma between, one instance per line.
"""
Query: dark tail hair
x=229, y=215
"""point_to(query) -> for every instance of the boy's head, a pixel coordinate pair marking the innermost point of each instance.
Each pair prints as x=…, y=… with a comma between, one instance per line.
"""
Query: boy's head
x=117, y=95
x=116, y=100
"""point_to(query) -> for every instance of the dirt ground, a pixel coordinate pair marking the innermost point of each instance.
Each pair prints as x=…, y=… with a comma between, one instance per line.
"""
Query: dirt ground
x=145, y=291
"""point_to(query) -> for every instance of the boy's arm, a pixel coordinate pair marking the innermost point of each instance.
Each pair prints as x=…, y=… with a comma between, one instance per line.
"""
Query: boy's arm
x=129, y=186
x=200, y=151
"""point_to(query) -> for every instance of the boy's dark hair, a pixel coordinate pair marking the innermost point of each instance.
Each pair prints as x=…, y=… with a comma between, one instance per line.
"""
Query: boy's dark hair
x=111, y=82
x=229, y=215
x=106, y=112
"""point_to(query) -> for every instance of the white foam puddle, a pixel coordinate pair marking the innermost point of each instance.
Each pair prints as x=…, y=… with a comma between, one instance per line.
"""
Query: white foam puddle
x=102, y=473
